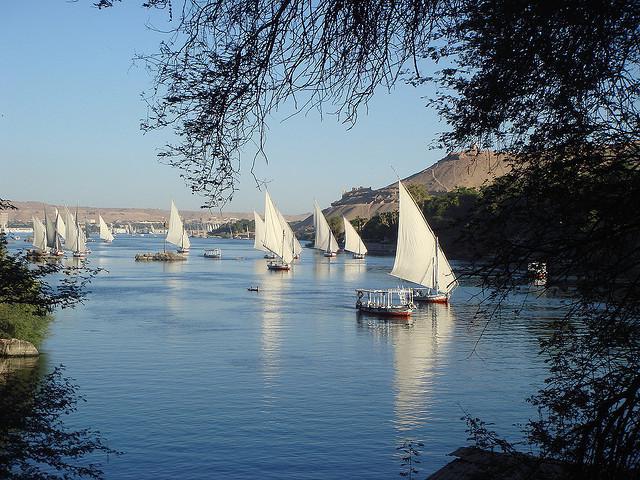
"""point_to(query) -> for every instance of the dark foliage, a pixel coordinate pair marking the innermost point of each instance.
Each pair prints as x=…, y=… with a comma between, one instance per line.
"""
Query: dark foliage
x=23, y=283
x=409, y=453
x=557, y=86
x=34, y=441
x=553, y=84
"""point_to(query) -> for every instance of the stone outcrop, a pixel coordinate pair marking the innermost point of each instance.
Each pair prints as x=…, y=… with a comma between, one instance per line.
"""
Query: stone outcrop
x=12, y=347
x=160, y=257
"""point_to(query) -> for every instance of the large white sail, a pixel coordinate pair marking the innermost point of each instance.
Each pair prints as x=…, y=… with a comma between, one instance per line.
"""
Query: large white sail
x=60, y=226
x=324, y=237
x=275, y=238
x=71, y=230
x=352, y=241
x=39, y=235
x=175, y=232
x=105, y=232
x=258, y=241
x=419, y=259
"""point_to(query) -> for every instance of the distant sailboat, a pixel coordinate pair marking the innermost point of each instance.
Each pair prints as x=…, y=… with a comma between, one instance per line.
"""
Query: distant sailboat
x=105, y=231
x=324, y=237
x=79, y=243
x=53, y=237
x=71, y=233
x=176, y=233
x=275, y=237
x=419, y=257
x=352, y=241
x=39, y=238
x=61, y=228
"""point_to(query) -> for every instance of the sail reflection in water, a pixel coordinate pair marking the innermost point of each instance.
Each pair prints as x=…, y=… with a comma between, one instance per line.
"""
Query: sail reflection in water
x=174, y=280
x=272, y=297
x=354, y=270
x=416, y=347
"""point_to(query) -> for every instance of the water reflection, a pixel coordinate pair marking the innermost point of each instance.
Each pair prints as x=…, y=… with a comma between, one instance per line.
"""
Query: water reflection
x=417, y=346
x=272, y=296
x=354, y=270
x=12, y=365
x=175, y=281
x=324, y=268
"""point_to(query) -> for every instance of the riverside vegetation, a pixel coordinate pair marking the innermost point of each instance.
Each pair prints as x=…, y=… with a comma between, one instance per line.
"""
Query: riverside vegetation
x=34, y=440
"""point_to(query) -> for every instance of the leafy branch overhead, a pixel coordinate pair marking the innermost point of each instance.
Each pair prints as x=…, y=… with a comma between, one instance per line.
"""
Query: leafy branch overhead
x=227, y=65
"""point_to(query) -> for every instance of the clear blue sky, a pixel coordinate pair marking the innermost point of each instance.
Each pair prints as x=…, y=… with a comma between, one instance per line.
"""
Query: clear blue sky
x=70, y=111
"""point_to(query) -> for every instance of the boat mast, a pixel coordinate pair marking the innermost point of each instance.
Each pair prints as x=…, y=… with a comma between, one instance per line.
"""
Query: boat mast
x=77, y=232
x=435, y=269
x=283, y=246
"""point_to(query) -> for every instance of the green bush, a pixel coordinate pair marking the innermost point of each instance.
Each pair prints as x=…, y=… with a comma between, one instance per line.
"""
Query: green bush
x=22, y=322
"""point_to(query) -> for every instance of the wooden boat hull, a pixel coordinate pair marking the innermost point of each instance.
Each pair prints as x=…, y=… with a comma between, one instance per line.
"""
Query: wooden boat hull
x=183, y=250
x=436, y=298
x=396, y=312
x=279, y=267
x=329, y=254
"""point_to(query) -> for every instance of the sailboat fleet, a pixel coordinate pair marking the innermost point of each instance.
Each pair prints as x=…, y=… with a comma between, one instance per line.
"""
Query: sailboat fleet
x=419, y=258
x=59, y=232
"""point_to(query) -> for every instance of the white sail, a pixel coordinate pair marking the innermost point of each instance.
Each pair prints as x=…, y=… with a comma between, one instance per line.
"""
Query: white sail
x=71, y=230
x=275, y=233
x=176, y=233
x=80, y=241
x=52, y=235
x=258, y=241
x=60, y=226
x=419, y=259
x=184, y=241
x=105, y=232
x=324, y=237
x=39, y=235
x=352, y=241
x=290, y=237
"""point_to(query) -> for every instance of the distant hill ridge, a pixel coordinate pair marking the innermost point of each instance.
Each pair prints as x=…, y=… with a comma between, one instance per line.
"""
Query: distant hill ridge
x=28, y=209
x=471, y=168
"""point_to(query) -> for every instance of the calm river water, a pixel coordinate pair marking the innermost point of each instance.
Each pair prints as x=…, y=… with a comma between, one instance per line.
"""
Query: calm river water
x=192, y=376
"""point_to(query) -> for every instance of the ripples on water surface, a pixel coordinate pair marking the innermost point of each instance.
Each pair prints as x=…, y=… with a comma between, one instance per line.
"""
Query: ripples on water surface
x=192, y=376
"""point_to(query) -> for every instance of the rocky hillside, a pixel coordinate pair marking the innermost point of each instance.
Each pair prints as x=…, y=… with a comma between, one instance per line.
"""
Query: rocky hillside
x=472, y=168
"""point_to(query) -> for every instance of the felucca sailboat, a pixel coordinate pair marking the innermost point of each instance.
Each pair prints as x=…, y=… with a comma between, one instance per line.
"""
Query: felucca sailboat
x=176, y=233
x=324, y=237
x=79, y=241
x=39, y=239
x=105, y=231
x=276, y=238
x=52, y=226
x=352, y=241
x=419, y=257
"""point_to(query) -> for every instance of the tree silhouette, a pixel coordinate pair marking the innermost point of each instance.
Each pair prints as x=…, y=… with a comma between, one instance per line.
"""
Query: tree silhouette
x=555, y=85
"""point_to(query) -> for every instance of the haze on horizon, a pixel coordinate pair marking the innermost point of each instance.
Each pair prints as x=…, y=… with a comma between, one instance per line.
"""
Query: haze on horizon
x=70, y=111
